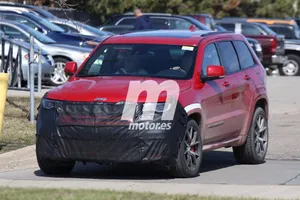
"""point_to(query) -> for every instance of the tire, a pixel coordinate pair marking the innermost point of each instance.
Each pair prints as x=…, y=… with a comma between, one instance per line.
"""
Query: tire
x=248, y=153
x=51, y=167
x=59, y=69
x=291, y=67
x=181, y=168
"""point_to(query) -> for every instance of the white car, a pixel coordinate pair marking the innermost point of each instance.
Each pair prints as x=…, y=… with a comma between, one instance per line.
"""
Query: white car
x=47, y=62
x=61, y=53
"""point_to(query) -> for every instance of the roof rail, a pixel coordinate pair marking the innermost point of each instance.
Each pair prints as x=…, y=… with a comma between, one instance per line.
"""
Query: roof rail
x=216, y=33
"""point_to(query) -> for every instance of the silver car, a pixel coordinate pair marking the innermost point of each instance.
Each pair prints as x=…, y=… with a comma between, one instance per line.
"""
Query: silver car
x=47, y=62
x=61, y=53
x=76, y=27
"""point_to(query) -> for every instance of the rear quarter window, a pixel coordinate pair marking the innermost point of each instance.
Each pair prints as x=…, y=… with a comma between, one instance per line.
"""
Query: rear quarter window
x=245, y=57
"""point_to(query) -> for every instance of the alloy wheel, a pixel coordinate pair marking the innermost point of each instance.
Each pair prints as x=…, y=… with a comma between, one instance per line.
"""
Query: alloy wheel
x=290, y=68
x=58, y=76
x=192, y=147
x=261, y=135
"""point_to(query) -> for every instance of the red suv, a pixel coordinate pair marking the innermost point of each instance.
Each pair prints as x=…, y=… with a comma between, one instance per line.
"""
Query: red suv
x=221, y=102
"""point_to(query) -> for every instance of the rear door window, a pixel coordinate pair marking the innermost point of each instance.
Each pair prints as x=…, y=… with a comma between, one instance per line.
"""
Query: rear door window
x=248, y=29
x=160, y=23
x=244, y=54
x=127, y=21
x=179, y=24
x=229, y=57
x=14, y=34
x=211, y=57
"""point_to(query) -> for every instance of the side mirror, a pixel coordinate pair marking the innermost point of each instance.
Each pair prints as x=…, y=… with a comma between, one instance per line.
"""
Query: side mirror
x=71, y=68
x=214, y=72
x=39, y=29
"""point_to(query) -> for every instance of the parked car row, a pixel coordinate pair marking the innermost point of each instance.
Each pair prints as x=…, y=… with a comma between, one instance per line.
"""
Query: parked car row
x=274, y=41
x=62, y=39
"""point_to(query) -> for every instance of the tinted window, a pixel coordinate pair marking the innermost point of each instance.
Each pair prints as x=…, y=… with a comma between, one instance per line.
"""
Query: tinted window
x=288, y=32
x=250, y=30
x=229, y=27
x=39, y=36
x=146, y=60
x=160, y=23
x=229, y=57
x=179, y=24
x=21, y=20
x=211, y=57
x=127, y=21
x=244, y=54
x=14, y=34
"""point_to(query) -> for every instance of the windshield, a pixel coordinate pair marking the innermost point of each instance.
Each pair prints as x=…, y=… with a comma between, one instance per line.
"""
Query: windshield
x=39, y=36
x=47, y=23
x=44, y=13
x=147, y=60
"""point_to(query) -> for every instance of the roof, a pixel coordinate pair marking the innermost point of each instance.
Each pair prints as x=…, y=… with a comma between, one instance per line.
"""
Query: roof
x=233, y=21
x=179, y=37
x=272, y=21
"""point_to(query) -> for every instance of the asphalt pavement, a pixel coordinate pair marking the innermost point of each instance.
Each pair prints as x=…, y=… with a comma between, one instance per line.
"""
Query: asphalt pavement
x=278, y=177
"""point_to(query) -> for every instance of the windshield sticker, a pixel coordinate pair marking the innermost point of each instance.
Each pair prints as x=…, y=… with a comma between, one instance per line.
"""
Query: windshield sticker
x=187, y=48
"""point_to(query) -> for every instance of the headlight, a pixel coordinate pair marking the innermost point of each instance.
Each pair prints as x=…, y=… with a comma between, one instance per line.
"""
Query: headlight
x=49, y=104
x=160, y=107
x=150, y=109
x=35, y=57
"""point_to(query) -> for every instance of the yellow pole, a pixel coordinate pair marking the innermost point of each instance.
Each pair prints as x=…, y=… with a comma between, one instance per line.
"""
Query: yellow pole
x=3, y=93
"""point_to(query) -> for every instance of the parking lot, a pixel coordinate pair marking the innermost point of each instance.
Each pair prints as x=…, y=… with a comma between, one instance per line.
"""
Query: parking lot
x=281, y=168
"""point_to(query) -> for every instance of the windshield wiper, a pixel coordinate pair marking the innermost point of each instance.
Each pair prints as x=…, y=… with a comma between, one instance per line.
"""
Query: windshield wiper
x=88, y=75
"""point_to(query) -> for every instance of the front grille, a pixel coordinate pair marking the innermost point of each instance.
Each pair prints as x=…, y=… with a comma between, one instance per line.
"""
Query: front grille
x=91, y=113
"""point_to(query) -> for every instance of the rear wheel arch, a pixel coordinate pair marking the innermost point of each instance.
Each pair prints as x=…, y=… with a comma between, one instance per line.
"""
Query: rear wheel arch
x=263, y=103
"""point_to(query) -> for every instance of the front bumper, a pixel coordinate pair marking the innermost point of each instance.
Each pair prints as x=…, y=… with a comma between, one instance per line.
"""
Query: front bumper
x=88, y=140
x=46, y=71
x=279, y=59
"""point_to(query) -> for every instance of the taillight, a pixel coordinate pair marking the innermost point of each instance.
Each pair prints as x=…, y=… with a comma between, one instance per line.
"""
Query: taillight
x=273, y=45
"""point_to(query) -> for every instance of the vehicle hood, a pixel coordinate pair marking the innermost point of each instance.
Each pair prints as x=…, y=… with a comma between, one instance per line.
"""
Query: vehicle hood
x=84, y=37
x=26, y=45
x=114, y=89
x=66, y=47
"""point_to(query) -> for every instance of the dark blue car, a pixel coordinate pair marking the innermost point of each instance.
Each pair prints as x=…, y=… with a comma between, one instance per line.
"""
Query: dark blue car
x=51, y=30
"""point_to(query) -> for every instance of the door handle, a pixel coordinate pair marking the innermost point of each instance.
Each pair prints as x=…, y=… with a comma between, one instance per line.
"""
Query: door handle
x=247, y=77
x=226, y=84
